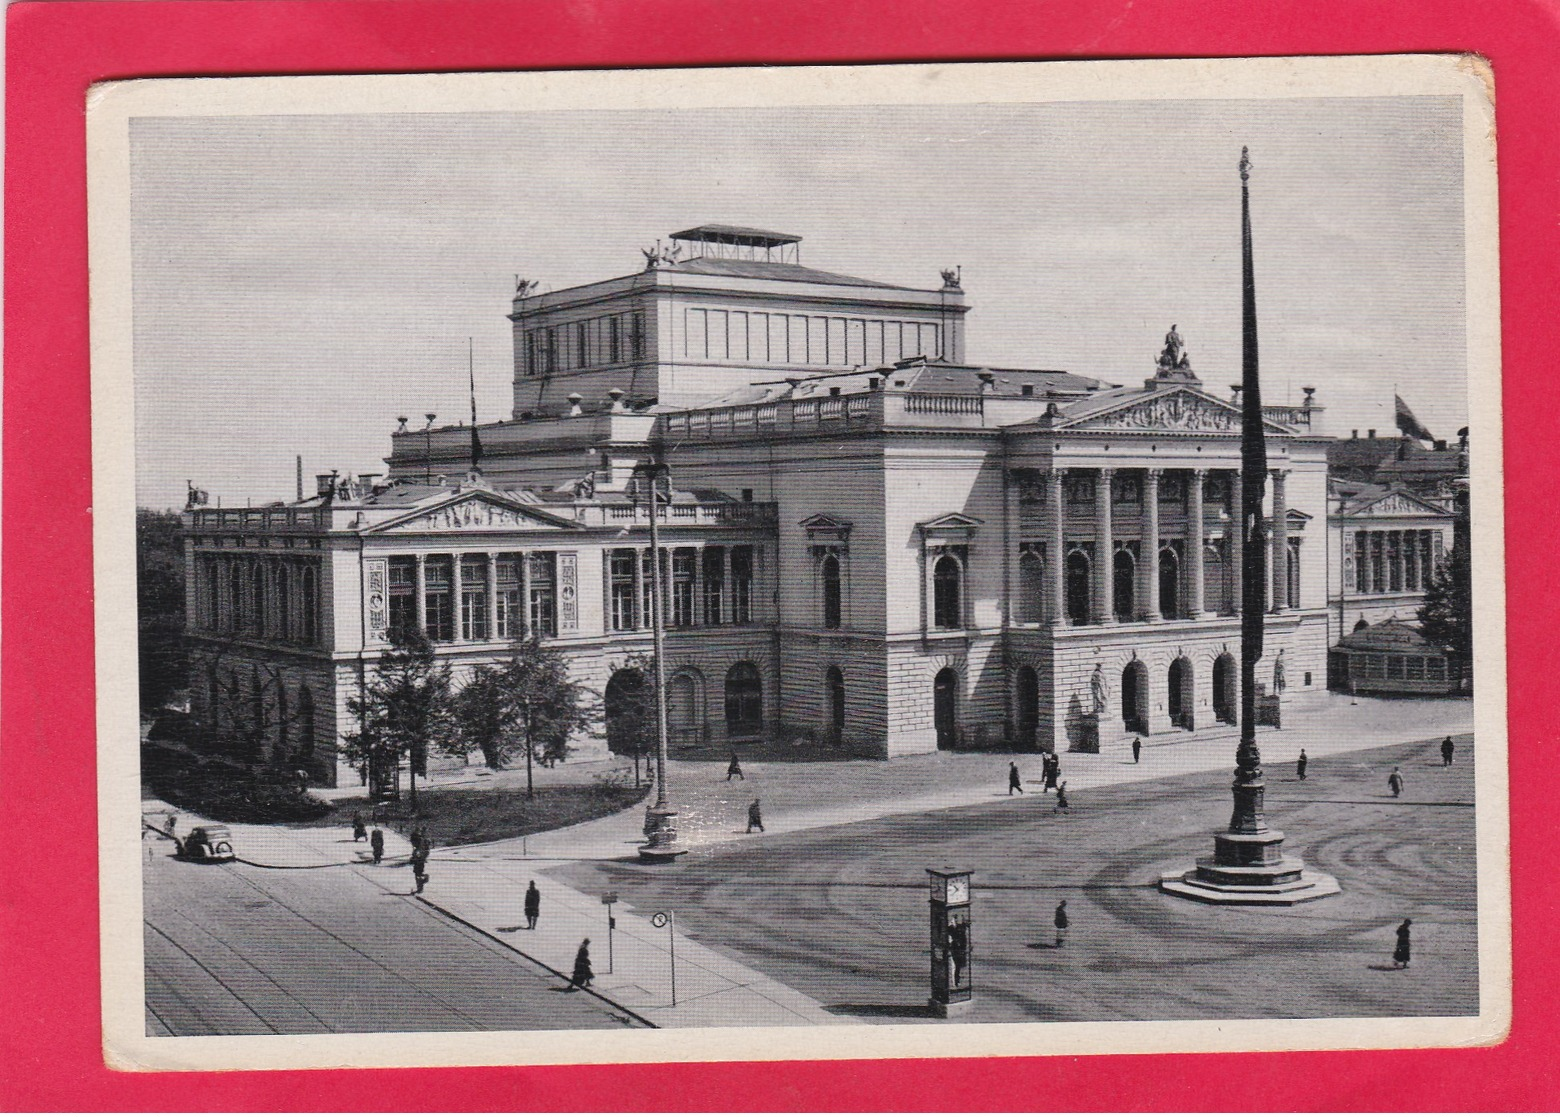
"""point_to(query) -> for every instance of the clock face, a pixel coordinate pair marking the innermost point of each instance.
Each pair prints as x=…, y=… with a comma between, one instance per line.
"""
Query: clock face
x=959, y=890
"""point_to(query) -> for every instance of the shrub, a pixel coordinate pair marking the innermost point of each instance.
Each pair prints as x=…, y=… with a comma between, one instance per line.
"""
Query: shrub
x=226, y=792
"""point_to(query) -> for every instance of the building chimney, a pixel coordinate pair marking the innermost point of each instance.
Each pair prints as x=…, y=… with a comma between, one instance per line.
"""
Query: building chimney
x=1355, y=433
x=324, y=484
x=300, y=479
x=1371, y=433
x=369, y=483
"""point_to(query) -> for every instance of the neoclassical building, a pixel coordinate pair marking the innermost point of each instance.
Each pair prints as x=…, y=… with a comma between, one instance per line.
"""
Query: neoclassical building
x=875, y=544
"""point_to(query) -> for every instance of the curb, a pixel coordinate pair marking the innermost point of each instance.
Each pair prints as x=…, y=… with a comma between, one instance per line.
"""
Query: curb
x=646, y=1021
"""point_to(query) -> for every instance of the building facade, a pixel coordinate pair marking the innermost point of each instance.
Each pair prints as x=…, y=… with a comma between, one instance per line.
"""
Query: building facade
x=879, y=546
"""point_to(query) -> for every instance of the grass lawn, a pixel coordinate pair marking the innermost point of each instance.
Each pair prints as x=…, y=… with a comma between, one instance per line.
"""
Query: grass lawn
x=462, y=816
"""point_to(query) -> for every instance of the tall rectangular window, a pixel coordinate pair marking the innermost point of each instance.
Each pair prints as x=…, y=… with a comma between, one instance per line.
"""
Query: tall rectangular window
x=403, y=593
x=614, y=340
x=438, y=588
x=473, y=597
x=874, y=343
x=836, y=342
x=737, y=336
x=637, y=336
x=742, y=585
x=685, y=582
x=544, y=593
x=817, y=341
x=855, y=342
x=625, y=615
x=507, y=576
x=309, y=606
x=550, y=350
x=582, y=345
x=714, y=579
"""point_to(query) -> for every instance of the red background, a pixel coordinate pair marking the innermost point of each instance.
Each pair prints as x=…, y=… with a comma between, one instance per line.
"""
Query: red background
x=49, y=1021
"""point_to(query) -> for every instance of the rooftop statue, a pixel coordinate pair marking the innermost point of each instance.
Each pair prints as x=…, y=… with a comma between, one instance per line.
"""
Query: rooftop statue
x=1174, y=351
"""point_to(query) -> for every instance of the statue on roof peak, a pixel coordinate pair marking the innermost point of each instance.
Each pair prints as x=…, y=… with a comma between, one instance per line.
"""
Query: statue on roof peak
x=1174, y=352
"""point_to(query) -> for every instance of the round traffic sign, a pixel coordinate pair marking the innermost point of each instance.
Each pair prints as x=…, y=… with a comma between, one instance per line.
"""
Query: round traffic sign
x=659, y=919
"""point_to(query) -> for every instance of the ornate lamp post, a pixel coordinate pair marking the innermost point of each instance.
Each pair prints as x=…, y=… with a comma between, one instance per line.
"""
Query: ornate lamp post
x=1248, y=864
x=660, y=826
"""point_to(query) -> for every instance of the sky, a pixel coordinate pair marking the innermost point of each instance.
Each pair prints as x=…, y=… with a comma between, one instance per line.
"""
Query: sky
x=300, y=281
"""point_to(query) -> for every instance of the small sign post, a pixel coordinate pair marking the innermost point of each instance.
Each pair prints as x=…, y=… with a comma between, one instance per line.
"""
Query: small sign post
x=668, y=920
x=609, y=898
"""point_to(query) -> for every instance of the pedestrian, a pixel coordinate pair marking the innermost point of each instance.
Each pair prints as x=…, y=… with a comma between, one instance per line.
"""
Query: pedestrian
x=755, y=817
x=419, y=866
x=1447, y=749
x=1400, y=953
x=359, y=830
x=734, y=769
x=170, y=824
x=419, y=838
x=1053, y=769
x=1061, y=798
x=376, y=842
x=583, y=974
x=1395, y=782
x=1300, y=765
x=533, y=906
x=959, y=951
x=1014, y=783
x=1137, y=749
x=303, y=781
x=1061, y=923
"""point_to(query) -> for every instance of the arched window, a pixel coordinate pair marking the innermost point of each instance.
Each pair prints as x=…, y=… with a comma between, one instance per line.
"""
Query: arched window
x=682, y=702
x=945, y=708
x=310, y=605
x=947, y=593
x=834, y=680
x=829, y=573
x=744, y=701
x=1031, y=588
x=1292, y=575
x=1078, y=577
x=305, y=723
x=1028, y=696
x=1124, y=573
x=284, y=601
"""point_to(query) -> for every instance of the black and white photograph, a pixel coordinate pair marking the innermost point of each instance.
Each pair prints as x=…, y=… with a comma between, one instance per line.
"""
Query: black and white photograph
x=822, y=562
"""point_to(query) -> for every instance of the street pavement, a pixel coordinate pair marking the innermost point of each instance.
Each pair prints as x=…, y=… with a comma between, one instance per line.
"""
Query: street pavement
x=327, y=943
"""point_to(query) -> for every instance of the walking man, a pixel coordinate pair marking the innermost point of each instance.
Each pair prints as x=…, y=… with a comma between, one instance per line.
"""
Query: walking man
x=1395, y=782
x=1400, y=954
x=734, y=769
x=1137, y=749
x=755, y=817
x=1061, y=798
x=1300, y=765
x=1447, y=749
x=1014, y=783
x=533, y=906
x=419, y=863
x=583, y=975
x=1053, y=769
x=1061, y=923
x=376, y=842
x=359, y=830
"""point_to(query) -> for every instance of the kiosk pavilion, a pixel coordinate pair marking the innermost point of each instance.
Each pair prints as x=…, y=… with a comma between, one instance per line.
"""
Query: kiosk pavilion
x=872, y=544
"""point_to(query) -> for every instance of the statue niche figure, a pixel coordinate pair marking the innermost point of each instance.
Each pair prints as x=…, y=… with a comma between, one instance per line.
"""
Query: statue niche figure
x=1173, y=355
x=1099, y=689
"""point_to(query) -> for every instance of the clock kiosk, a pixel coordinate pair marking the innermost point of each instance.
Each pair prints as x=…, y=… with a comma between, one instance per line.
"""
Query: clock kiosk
x=952, y=944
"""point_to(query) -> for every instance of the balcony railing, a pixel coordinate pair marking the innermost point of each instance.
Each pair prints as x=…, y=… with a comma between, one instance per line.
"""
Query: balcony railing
x=262, y=519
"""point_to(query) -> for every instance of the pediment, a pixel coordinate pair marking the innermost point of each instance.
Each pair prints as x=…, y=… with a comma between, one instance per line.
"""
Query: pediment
x=821, y=523
x=1181, y=409
x=473, y=512
x=1399, y=504
x=952, y=520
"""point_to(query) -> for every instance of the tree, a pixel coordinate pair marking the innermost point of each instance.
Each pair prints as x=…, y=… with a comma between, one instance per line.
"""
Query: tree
x=630, y=708
x=404, y=711
x=527, y=706
x=159, y=588
x=1446, y=617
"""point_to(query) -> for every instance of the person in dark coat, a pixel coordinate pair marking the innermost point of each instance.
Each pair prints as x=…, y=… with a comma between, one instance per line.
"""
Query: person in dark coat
x=1448, y=748
x=533, y=906
x=1014, y=783
x=1053, y=769
x=359, y=829
x=1061, y=922
x=1395, y=782
x=1061, y=798
x=419, y=837
x=1400, y=954
x=1137, y=749
x=1300, y=765
x=419, y=865
x=734, y=769
x=583, y=975
x=755, y=817
x=376, y=842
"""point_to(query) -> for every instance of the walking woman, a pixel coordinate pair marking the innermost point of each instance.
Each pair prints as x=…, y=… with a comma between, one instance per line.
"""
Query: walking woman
x=583, y=974
x=1400, y=955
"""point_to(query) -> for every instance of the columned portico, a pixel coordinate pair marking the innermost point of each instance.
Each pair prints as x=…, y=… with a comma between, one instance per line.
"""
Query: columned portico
x=1104, y=549
x=1151, y=604
x=1278, y=597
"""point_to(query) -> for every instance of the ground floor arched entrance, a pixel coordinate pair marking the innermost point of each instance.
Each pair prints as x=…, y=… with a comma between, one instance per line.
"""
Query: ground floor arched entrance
x=1180, y=694
x=629, y=713
x=945, y=707
x=1224, y=703
x=1134, y=697
x=1027, y=696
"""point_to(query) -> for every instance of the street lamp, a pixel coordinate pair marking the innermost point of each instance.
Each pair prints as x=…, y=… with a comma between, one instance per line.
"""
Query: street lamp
x=660, y=824
x=428, y=449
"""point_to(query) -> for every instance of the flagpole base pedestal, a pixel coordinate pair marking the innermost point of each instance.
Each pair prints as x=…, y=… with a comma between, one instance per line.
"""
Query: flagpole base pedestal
x=1250, y=869
x=661, y=831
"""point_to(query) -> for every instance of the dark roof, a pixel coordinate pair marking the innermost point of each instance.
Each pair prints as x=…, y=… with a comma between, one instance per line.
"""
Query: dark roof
x=736, y=234
x=1422, y=463
x=1390, y=635
x=1362, y=454
x=769, y=269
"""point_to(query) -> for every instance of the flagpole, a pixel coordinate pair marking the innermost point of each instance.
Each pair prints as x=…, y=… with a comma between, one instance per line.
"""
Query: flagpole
x=1249, y=865
x=471, y=379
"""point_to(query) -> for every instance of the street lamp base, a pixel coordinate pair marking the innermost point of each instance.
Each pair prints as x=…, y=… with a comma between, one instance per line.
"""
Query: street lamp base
x=1250, y=869
x=662, y=846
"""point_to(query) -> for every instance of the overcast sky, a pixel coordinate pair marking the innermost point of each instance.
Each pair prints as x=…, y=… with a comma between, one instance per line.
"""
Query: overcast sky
x=300, y=281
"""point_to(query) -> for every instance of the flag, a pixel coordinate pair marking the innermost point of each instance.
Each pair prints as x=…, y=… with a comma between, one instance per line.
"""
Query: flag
x=1407, y=424
x=476, y=438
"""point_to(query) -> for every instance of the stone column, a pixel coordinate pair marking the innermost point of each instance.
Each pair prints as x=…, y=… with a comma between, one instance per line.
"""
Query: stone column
x=1397, y=561
x=456, y=604
x=1057, y=499
x=1236, y=559
x=1104, y=549
x=491, y=566
x=1195, y=543
x=1151, y=603
x=1280, y=591
x=422, y=596
x=641, y=606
